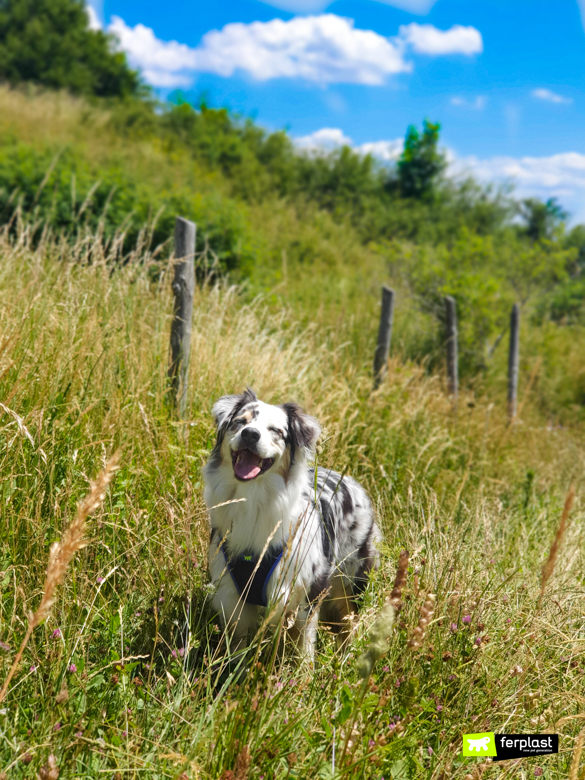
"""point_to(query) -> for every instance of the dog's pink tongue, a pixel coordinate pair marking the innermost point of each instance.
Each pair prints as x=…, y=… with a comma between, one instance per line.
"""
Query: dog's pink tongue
x=247, y=465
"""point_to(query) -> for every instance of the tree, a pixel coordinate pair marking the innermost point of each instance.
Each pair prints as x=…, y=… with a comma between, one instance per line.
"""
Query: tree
x=421, y=163
x=542, y=219
x=49, y=42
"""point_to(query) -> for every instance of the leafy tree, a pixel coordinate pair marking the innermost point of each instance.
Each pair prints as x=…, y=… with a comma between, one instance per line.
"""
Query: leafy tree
x=49, y=42
x=421, y=163
x=542, y=219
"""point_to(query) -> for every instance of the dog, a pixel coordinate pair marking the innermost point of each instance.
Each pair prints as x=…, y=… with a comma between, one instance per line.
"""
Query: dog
x=295, y=540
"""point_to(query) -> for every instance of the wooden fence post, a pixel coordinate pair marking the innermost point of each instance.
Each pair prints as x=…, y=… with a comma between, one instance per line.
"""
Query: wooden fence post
x=384, y=336
x=513, y=361
x=183, y=288
x=452, y=367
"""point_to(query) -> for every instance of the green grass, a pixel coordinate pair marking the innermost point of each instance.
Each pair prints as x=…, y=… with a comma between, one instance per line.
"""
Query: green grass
x=83, y=358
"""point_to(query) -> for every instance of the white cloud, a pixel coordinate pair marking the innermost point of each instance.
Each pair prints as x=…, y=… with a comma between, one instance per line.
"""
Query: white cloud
x=477, y=103
x=324, y=140
x=427, y=39
x=324, y=49
x=559, y=176
x=163, y=63
x=328, y=139
x=93, y=19
x=549, y=96
x=387, y=151
x=421, y=7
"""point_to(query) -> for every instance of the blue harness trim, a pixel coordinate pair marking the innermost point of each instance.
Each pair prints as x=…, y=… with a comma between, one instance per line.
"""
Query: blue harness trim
x=252, y=586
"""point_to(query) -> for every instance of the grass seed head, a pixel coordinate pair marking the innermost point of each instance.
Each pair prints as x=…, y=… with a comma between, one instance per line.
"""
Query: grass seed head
x=399, y=581
x=378, y=640
x=426, y=615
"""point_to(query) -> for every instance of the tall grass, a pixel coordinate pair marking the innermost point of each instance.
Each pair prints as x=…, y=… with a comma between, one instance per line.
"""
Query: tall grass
x=128, y=675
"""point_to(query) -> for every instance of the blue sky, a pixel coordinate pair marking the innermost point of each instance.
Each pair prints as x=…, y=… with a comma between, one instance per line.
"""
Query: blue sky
x=506, y=78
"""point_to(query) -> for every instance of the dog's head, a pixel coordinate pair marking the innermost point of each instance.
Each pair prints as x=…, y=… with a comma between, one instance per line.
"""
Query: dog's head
x=257, y=438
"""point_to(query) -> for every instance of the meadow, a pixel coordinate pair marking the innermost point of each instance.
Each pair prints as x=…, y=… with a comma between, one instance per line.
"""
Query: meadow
x=128, y=675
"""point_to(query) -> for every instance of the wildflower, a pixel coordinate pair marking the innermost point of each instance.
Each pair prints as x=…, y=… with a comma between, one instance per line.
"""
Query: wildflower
x=181, y=651
x=397, y=683
x=439, y=707
x=72, y=668
x=56, y=633
x=174, y=653
x=385, y=668
x=508, y=620
x=57, y=727
x=371, y=744
x=478, y=641
x=538, y=771
x=79, y=733
x=453, y=627
x=33, y=668
x=467, y=619
x=4, y=646
x=430, y=750
x=452, y=677
x=124, y=733
x=99, y=580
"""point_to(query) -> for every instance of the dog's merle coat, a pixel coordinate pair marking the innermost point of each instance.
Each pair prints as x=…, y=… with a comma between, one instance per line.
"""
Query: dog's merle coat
x=321, y=522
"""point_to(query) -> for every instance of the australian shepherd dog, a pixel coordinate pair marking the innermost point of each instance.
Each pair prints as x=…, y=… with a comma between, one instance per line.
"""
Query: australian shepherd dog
x=292, y=540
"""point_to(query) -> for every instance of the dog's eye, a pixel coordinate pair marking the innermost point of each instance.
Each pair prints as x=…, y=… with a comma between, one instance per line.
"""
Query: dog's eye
x=277, y=431
x=238, y=422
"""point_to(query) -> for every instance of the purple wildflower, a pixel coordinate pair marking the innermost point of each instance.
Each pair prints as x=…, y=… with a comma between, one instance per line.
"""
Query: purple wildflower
x=467, y=619
x=56, y=633
x=453, y=627
x=72, y=668
x=79, y=733
x=478, y=641
x=57, y=727
x=174, y=653
x=181, y=651
x=439, y=707
x=397, y=683
x=430, y=750
x=33, y=668
x=4, y=646
x=371, y=743
x=385, y=668
x=538, y=771
x=99, y=580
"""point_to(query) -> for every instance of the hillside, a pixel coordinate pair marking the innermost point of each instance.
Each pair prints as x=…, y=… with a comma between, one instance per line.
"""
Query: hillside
x=127, y=676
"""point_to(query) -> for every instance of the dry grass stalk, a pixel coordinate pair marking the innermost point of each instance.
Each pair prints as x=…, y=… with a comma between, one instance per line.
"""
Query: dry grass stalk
x=399, y=581
x=426, y=615
x=549, y=566
x=577, y=756
x=61, y=555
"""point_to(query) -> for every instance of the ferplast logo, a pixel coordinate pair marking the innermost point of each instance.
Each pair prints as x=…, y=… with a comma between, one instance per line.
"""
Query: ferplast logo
x=479, y=744
x=502, y=747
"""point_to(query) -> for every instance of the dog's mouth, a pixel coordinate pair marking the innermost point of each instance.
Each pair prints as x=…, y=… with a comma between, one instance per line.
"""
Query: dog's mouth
x=247, y=465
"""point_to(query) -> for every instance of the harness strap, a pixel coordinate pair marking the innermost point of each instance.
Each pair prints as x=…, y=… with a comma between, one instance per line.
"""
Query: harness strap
x=252, y=585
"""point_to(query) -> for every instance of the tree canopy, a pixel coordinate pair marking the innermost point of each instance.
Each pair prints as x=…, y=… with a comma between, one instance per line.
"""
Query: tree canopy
x=49, y=42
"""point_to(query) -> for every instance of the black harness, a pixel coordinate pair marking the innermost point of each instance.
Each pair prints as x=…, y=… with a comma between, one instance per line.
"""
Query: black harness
x=252, y=585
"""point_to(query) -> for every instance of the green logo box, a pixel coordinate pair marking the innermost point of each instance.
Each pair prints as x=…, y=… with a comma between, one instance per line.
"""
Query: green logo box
x=479, y=745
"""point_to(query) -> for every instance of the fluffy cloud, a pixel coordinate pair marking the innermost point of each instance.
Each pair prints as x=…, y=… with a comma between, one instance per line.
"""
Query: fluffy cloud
x=325, y=49
x=549, y=96
x=559, y=176
x=163, y=63
x=93, y=19
x=327, y=139
x=427, y=39
x=324, y=140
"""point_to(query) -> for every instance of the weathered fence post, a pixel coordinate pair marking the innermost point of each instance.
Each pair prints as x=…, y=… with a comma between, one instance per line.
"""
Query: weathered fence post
x=183, y=289
x=384, y=336
x=513, y=360
x=452, y=367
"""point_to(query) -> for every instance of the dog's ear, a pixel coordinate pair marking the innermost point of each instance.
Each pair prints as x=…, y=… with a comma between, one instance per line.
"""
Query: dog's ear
x=226, y=407
x=303, y=430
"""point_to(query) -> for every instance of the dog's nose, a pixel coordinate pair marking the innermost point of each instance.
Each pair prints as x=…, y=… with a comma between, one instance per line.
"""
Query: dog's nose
x=250, y=435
